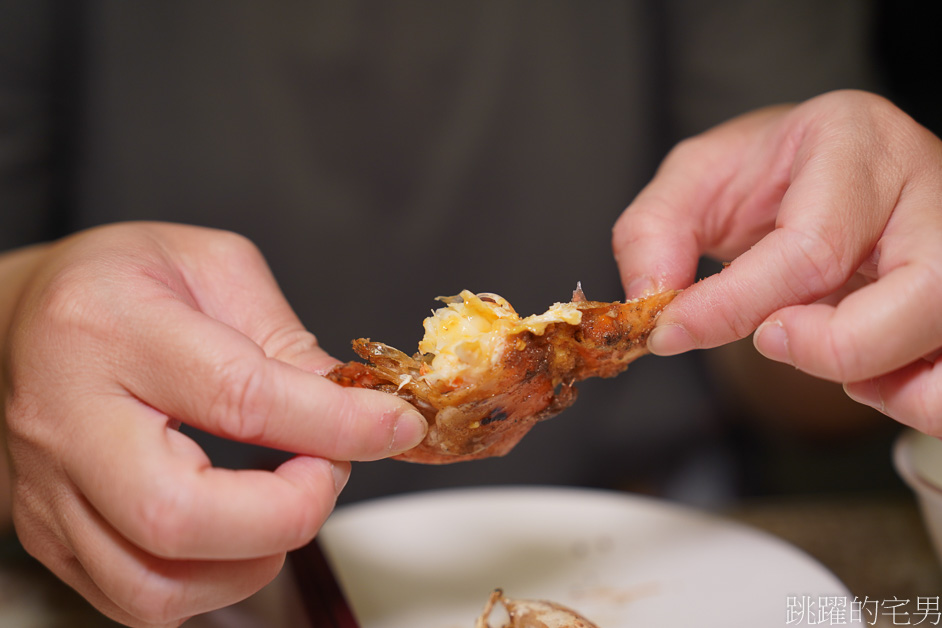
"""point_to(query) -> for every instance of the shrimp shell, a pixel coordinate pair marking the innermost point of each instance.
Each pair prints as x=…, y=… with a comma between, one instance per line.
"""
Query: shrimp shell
x=532, y=614
x=533, y=379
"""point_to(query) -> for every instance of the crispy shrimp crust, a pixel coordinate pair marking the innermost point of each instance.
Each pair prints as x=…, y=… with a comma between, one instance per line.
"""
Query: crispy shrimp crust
x=483, y=376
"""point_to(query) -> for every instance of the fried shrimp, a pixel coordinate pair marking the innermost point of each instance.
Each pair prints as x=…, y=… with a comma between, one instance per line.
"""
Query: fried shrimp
x=483, y=376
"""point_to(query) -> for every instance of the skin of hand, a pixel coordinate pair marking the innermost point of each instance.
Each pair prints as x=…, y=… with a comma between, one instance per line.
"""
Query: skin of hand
x=122, y=332
x=15, y=268
x=831, y=211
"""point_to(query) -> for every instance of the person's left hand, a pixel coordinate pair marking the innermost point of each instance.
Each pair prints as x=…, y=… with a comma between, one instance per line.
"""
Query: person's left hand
x=124, y=332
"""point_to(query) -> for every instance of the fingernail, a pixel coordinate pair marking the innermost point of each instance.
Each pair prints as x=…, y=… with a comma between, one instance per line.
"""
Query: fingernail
x=670, y=340
x=409, y=431
x=341, y=473
x=771, y=340
x=868, y=393
x=639, y=287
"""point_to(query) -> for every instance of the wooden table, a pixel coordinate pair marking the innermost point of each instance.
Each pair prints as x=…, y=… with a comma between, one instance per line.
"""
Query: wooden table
x=875, y=543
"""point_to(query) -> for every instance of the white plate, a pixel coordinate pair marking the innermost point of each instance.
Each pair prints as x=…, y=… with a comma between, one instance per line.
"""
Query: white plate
x=429, y=560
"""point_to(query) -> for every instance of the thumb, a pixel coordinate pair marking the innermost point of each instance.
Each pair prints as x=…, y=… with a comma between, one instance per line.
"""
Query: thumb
x=230, y=282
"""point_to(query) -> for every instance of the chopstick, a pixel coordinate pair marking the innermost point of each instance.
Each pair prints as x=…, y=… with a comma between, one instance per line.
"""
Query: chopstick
x=321, y=594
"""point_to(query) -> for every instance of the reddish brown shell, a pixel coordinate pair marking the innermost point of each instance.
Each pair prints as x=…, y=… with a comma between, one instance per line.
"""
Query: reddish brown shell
x=533, y=382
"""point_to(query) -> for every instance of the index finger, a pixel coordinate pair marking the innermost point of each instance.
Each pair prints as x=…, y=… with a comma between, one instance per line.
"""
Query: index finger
x=686, y=209
x=831, y=182
x=159, y=490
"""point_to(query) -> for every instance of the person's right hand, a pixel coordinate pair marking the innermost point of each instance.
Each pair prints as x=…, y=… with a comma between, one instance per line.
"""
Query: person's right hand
x=829, y=211
x=122, y=333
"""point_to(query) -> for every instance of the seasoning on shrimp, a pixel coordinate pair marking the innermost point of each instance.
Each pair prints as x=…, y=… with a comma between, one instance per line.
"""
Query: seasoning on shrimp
x=483, y=376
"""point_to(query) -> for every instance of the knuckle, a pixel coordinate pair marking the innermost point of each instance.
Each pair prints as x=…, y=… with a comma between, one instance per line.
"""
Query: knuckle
x=68, y=304
x=345, y=430
x=855, y=108
x=865, y=122
x=697, y=154
x=738, y=322
x=310, y=518
x=234, y=249
x=21, y=411
x=243, y=402
x=650, y=216
x=928, y=409
x=928, y=281
x=163, y=520
x=690, y=148
x=153, y=600
x=842, y=356
x=34, y=542
x=289, y=343
x=819, y=266
x=341, y=422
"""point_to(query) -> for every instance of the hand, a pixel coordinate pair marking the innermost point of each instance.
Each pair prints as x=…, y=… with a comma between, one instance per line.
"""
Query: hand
x=832, y=213
x=125, y=331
